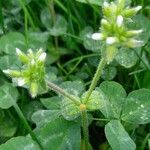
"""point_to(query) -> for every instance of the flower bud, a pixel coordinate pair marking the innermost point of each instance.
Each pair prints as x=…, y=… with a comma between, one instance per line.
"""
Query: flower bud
x=105, y=24
x=97, y=36
x=128, y=13
x=23, y=58
x=119, y=21
x=33, y=89
x=12, y=73
x=21, y=81
x=111, y=40
x=133, y=33
x=132, y=43
x=42, y=57
x=111, y=52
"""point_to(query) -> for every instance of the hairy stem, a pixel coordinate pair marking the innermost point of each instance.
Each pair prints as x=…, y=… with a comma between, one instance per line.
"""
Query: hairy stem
x=85, y=129
x=59, y=90
x=96, y=78
x=27, y=126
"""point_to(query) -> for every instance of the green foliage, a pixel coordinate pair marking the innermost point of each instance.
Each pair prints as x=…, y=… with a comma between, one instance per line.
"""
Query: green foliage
x=59, y=134
x=18, y=143
x=59, y=118
x=117, y=137
x=137, y=107
x=8, y=95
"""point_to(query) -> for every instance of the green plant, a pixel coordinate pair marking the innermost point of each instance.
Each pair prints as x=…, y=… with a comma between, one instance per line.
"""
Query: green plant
x=65, y=121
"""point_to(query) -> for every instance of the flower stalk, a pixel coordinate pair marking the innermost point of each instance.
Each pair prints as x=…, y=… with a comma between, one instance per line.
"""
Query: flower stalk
x=96, y=78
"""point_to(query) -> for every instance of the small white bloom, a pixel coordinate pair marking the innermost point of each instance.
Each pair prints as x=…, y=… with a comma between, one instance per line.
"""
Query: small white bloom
x=32, y=62
x=21, y=81
x=18, y=51
x=138, y=8
x=97, y=36
x=111, y=40
x=42, y=57
x=30, y=51
x=106, y=4
x=104, y=21
x=6, y=71
x=119, y=21
x=134, y=43
x=137, y=31
x=134, y=32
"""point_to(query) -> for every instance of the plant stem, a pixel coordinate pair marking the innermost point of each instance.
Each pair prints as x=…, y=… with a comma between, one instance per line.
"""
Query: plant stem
x=96, y=78
x=85, y=129
x=53, y=14
x=59, y=90
x=27, y=126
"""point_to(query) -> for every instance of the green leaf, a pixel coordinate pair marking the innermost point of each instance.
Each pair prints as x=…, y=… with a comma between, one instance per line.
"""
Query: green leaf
x=51, y=103
x=126, y=57
x=95, y=100
x=46, y=18
x=17, y=143
x=137, y=107
x=30, y=108
x=109, y=73
x=115, y=97
x=7, y=126
x=11, y=41
x=142, y=22
x=94, y=2
x=117, y=137
x=9, y=61
x=73, y=87
x=60, y=135
x=8, y=96
x=43, y=117
x=38, y=40
x=69, y=110
x=60, y=25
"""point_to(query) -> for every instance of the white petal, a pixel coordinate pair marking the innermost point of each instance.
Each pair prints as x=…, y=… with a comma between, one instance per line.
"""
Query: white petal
x=33, y=62
x=106, y=4
x=111, y=40
x=18, y=51
x=119, y=21
x=42, y=57
x=135, y=43
x=6, y=71
x=30, y=51
x=138, y=8
x=138, y=31
x=104, y=21
x=97, y=36
x=21, y=81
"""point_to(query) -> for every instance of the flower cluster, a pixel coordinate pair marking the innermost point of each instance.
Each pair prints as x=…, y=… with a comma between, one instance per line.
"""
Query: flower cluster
x=33, y=70
x=113, y=28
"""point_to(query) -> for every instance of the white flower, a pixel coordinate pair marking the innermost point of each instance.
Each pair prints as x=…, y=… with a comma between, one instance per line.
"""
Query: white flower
x=119, y=21
x=7, y=71
x=134, y=32
x=111, y=40
x=138, y=8
x=21, y=81
x=106, y=4
x=42, y=57
x=134, y=43
x=104, y=21
x=32, y=62
x=18, y=51
x=97, y=36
